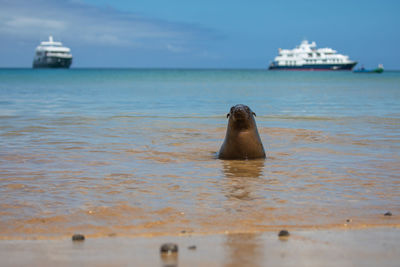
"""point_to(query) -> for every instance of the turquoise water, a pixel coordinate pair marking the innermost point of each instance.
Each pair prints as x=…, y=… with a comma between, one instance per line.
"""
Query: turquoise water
x=132, y=151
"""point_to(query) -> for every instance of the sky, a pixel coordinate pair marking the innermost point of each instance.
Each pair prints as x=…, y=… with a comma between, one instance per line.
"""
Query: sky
x=198, y=34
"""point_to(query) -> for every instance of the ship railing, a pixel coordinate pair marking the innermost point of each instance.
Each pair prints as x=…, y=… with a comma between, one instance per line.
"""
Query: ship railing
x=55, y=54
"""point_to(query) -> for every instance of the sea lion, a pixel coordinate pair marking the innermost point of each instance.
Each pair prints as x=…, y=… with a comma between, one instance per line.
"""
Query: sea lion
x=242, y=140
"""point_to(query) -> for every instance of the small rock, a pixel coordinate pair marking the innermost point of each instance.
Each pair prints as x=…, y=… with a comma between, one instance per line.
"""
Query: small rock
x=283, y=233
x=349, y=220
x=169, y=248
x=183, y=232
x=78, y=237
x=192, y=247
x=388, y=213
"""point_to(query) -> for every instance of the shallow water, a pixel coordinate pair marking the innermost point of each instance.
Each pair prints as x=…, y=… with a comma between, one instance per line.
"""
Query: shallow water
x=133, y=152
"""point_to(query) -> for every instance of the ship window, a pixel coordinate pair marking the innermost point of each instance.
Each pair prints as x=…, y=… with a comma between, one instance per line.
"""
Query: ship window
x=310, y=54
x=318, y=54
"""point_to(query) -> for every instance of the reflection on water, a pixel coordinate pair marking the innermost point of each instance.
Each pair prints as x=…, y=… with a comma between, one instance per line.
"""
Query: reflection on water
x=241, y=178
x=244, y=250
x=239, y=169
x=169, y=260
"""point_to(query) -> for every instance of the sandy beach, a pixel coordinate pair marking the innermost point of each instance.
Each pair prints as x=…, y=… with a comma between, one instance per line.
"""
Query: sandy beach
x=336, y=247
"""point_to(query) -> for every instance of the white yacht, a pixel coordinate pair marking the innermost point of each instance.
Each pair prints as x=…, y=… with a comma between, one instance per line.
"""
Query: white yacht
x=50, y=54
x=308, y=57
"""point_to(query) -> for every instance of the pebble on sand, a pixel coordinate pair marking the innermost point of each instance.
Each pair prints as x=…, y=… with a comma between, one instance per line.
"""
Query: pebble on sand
x=78, y=237
x=283, y=233
x=388, y=213
x=169, y=248
x=192, y=247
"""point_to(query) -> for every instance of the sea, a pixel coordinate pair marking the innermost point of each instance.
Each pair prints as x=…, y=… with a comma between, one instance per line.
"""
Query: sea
x=133, y=152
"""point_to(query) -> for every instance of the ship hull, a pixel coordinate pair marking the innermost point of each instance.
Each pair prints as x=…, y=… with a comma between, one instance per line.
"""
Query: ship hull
x=52, y=62
x=379, y=70
x=330, y=67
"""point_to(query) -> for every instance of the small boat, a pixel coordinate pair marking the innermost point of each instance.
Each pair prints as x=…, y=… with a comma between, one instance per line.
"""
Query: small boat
x=51, y=54
x=379, y=69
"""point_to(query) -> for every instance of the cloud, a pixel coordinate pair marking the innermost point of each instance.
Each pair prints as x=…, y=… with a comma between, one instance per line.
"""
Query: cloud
x=175, y=48
x=76, y=23
x=29, y=23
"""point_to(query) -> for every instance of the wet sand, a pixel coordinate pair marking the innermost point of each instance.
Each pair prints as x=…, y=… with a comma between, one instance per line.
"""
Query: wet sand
x=335, y=247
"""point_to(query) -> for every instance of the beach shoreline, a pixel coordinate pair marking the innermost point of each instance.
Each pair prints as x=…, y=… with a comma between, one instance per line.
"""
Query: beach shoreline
x=174, y=223
x=372, y=246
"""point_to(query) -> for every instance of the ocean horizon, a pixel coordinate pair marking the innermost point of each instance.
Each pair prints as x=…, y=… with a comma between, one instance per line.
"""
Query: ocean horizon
x=186, y=68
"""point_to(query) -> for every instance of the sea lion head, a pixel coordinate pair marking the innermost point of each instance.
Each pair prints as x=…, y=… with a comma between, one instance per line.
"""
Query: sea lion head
x=241, y=117
x=242, y=140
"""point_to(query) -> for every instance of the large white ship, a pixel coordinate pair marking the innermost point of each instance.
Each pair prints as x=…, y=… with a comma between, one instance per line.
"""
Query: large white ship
x=50, y=54
x=308, y=57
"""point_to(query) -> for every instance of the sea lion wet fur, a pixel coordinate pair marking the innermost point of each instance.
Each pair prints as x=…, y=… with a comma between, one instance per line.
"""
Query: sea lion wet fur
x=242, y=140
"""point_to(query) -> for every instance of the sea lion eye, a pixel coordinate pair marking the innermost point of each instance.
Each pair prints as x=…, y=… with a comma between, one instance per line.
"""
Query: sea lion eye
x=254, y=114
x=227, y=115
